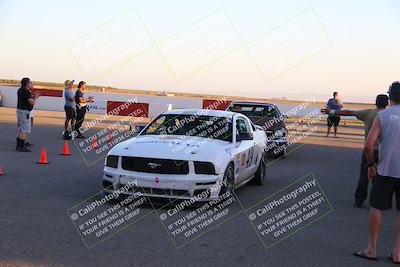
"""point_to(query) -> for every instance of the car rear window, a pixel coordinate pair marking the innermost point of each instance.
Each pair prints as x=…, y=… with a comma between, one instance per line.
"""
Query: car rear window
x=255, y=110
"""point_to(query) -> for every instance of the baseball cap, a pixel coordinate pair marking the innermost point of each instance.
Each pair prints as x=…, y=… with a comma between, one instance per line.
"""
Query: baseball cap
x=394, y=91
x=69, y=82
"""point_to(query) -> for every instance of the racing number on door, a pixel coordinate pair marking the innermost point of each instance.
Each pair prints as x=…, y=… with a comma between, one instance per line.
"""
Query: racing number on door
x=250, y=156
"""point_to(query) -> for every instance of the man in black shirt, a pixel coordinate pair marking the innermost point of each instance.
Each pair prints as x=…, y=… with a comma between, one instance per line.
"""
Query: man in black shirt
x=25, y=103
x=81, y=107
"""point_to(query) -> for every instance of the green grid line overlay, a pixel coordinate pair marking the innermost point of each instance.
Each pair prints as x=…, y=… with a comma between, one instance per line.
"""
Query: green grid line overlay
x=120, y=62
x=216, y=225
x=129, y=119
x=245, y=212
x=267, y=246
x=89, y=246
x=243, y=44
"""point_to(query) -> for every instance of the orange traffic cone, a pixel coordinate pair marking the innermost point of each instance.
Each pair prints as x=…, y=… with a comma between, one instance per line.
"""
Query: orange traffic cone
x=94, y=142
x=43, y=157
x=66, y=149
x=1, y=170
x=110, y=138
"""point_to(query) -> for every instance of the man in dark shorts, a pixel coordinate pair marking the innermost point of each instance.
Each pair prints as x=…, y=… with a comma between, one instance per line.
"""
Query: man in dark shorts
x=334, y=104
x=386, y=175
x=69, y=107
x=81, y=107
x=367, y=116
x=25, y=103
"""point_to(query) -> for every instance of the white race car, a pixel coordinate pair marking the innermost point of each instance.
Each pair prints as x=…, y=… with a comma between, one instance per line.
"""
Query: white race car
x=183, y=154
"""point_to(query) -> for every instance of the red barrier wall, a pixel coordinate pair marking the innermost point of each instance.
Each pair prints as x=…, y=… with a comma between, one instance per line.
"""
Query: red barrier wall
x=215, y=104
x=127, y=109
x=49, y=92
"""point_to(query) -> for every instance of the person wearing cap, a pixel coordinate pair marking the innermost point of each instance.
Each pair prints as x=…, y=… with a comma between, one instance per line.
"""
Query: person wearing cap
x=25, y=103
x=367, y=116
x=81, y=107
x=385, y=175
x=69, y=107
x=333, y=120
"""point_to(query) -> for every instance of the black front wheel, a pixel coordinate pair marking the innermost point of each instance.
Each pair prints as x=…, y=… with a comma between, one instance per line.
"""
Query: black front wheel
x=229, y=181
x=260, y=173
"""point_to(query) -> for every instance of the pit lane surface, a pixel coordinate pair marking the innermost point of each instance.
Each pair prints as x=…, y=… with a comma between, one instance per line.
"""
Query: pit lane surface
x=36, y=230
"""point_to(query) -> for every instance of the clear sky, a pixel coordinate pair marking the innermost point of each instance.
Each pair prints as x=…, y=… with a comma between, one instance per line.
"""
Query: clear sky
x=258, y=48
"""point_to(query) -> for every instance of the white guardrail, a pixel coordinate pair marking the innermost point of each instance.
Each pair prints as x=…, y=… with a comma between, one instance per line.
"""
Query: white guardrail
x=156, y=104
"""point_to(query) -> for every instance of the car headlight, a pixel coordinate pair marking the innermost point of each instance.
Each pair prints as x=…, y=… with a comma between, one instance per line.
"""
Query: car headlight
x=279, y=133
x=201, y=167
x=112, y=161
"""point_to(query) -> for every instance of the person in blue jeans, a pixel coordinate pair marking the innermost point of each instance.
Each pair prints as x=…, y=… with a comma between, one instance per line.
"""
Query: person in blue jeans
x=334, y=104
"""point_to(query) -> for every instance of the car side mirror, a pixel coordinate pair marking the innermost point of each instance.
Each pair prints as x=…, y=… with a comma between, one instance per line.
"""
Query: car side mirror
x=244, y=136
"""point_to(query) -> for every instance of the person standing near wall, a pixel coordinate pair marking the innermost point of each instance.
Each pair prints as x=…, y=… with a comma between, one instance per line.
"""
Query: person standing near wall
x=334, y=104
x=69, y=107
x=367, y=116
x=25, y=103
x=31, y=115
x=81, y=107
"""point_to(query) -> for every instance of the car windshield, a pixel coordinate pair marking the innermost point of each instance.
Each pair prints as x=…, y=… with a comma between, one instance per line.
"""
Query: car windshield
x=191, y=125
x=255, y=110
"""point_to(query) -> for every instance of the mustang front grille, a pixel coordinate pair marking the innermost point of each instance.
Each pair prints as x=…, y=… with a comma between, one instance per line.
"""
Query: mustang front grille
x=163, y=192
x=149, y=165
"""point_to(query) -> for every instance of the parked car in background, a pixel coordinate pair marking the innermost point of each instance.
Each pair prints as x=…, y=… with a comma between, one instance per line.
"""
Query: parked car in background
x=182, y=154
x=272, y=121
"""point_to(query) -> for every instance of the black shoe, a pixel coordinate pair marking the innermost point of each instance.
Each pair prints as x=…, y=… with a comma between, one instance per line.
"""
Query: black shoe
x=28, y=144
x=358, y=203
x=23, y=149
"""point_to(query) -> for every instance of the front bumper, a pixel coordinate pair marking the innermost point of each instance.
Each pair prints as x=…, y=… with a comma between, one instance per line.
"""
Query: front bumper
x=278, y=141
x=205, y=187
x=273, y=143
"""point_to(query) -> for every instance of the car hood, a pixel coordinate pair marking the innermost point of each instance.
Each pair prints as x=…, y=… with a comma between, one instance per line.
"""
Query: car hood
x=268, y=123
x=173, y=147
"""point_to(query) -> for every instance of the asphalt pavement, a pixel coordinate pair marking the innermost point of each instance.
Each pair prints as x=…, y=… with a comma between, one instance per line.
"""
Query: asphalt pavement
x=35, y=228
